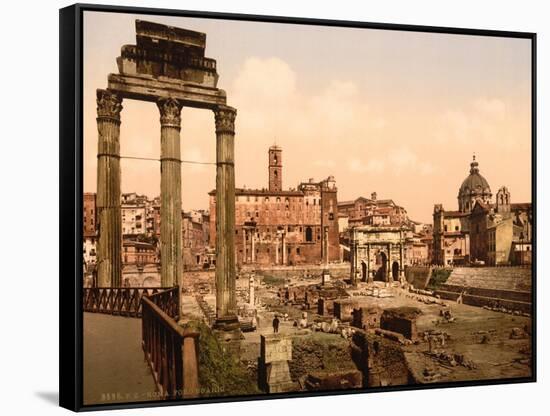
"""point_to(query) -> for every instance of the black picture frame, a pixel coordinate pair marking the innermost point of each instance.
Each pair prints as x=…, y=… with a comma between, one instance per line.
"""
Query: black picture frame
x=71, y=194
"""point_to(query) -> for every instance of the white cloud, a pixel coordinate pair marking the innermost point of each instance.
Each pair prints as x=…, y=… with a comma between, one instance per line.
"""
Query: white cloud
x=490, y=107
x=483, y=120
x=397, y=161
x=369, y=166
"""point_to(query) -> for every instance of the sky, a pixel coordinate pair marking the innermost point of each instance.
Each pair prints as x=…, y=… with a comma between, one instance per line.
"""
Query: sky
x=392, y=112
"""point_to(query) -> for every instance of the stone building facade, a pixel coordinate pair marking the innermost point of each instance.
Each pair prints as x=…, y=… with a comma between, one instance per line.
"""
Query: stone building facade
x=373, y=211
x=138, y=253
x=195, y=232
x=274, y=226
x=482, y=232
x=501, y=233
x=379, y=253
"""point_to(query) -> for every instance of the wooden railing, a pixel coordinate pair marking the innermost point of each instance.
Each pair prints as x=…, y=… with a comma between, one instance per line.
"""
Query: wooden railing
x=123, y=301
x=167, y=300
x=170, y=350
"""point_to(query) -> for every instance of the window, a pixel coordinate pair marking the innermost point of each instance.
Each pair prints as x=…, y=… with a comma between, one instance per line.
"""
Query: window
x=331, y=216
x=456, y=227
x=298, y=250
x=309, y=234
x=445, y=227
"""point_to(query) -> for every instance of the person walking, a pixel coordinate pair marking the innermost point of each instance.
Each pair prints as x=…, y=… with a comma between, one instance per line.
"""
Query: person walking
x=276, y=324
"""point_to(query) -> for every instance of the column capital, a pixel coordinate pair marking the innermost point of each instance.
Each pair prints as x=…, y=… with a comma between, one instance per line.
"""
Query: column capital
x=109, y=105
x=225, y=119
x=170, y=112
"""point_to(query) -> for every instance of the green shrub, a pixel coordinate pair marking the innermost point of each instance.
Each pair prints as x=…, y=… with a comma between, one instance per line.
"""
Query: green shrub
x=220, y=372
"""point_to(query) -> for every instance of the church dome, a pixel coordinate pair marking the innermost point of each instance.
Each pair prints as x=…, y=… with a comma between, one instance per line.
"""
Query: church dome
x=475, y=187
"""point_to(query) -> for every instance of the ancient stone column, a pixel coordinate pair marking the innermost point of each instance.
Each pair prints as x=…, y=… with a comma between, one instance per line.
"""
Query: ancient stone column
x=109, y=246
x=369, y=275
x=283, y=254
x=389, y=277
x=253, y=254
x=353, y=259
x=251, y=299
x=170, y=193
x=226, y=304
x=244, y=246
x=401, y=266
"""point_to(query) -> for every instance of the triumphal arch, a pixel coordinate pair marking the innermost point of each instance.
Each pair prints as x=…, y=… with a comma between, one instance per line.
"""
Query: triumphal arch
x=167, y=66
x=377, y=253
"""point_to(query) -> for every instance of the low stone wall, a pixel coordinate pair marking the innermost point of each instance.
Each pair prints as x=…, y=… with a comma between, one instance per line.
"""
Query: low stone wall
x=401, y=320
x=381, y=361
x=337, y=270
x=503, y=278
x=507, y=287
x=491, y=293
x=481, y=301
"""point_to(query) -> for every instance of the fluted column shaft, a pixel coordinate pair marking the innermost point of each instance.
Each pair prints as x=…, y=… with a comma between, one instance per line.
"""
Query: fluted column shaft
x=226, y=304
x=109, y=245
x=170, y=192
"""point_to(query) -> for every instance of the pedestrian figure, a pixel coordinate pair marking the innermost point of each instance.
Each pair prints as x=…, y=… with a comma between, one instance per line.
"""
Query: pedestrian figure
x=276, y=324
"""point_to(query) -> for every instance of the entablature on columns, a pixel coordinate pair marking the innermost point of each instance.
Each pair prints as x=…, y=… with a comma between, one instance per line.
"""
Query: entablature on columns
x=147, y=88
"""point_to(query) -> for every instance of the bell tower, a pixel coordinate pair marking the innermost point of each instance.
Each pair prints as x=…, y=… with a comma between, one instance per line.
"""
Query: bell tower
x=275, y=168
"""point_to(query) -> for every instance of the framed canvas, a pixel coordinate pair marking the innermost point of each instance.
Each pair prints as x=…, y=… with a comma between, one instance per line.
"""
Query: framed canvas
x=258, y=207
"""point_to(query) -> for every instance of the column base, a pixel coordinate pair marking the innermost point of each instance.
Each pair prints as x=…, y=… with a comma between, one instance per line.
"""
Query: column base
x=325, y=277
x=226, y=323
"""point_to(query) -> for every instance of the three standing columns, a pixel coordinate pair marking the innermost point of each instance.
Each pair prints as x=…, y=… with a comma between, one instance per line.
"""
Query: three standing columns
x=226, y=304
x=109, y=245
x=109, y=106
x=171, y=273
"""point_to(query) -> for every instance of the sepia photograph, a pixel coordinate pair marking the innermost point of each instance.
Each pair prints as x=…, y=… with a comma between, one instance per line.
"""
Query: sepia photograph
x=276, y=208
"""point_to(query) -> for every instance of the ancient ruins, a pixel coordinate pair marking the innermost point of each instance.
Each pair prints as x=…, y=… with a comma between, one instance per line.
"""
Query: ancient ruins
x=288, y=289
x=167, y=66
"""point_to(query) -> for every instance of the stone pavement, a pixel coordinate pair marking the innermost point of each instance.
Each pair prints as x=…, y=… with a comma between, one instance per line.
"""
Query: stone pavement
x=114, y=366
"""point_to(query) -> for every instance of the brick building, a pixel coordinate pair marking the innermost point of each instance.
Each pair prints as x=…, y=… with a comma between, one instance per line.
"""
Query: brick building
x=195, y=232
x=138, y=253
x=89, y=222
x=373, y=211
x=284, y=227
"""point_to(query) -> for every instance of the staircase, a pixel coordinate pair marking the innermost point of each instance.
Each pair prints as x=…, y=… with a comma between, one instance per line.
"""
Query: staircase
x=507, y=287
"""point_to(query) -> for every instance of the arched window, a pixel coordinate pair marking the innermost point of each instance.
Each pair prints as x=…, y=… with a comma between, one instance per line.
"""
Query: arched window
x=309, y=234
